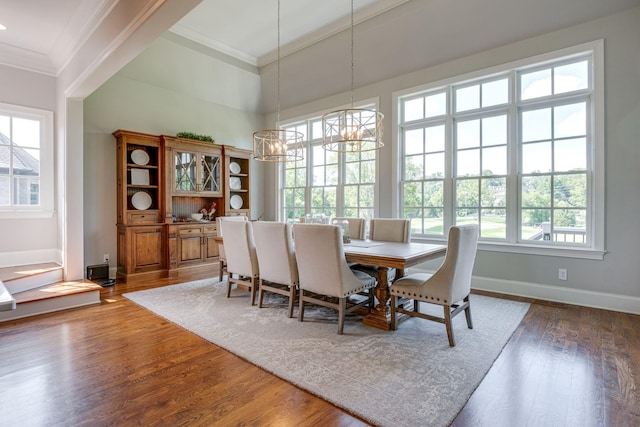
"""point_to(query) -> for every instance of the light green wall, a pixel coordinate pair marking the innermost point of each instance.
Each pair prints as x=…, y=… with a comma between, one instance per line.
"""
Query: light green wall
x=167, y=89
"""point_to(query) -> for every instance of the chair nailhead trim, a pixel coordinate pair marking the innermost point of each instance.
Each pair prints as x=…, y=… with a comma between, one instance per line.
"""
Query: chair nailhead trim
x=409, y=294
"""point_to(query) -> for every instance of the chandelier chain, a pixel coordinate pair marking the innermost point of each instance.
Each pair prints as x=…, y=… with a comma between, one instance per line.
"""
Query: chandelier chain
x=278, y=74
x=352, y=61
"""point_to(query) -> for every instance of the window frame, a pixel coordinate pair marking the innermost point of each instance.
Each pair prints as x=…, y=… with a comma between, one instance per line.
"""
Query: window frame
x=309, y=143
x=46, y=207
x=595, y=155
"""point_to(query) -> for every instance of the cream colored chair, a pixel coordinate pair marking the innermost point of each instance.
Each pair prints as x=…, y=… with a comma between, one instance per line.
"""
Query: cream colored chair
x=356, y=226
x=386, y=230
x=449, y=286
x=242, y=260
x=277, y=260
x=324, y=271
x=221, y=253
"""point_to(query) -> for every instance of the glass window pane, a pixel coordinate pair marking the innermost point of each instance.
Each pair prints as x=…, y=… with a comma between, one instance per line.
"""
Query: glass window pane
x=468, y=98
x=301, y=177
x=531, y=227
x=494, y=192
x=536, y=191
x=318, y=176
x=495, y=93
x=467, y=191
x=568, y=78
x=413, y=141
x=352, y=173
x=433, y=194
x=468, y=134
x=570, y=120
x=412, y=194
x=332, y=175
x=433, y=221
x=413, y=109
x=571, y=222
x=434, y=165
x=316, y=129
x=5, y=128
x=434, y=139
x=290, y=178
x=468, y=163
x=5, y=191
x=536, y=158
x=26, y=133
x=366, y=195
x=494, y=130
x=535, y=84
x=318, y=155
x=435, y=105
x=299, y=198
x=570, y=155
x=414, y=167
x=467, y=216
x=368, y=171
x=570, y=190
x=494, y=161
x=351, y=195
x=493, y=224
x=536, y=125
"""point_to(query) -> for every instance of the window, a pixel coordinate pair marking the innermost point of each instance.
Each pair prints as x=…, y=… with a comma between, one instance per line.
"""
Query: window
x=517, y=151
x=326, y=182
x=26, y=161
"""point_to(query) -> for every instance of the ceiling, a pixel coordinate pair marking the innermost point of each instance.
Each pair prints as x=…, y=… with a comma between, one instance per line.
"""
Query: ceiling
x=43, y=34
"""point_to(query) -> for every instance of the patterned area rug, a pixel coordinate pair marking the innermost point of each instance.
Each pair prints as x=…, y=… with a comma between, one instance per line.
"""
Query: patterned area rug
x=409, y=377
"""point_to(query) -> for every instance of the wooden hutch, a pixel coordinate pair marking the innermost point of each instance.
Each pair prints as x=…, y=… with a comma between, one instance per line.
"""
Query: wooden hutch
x=161, y=181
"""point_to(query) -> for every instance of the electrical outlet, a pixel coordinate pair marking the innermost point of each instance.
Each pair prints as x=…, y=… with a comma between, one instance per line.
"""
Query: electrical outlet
x=105, y=258
x=562, y=273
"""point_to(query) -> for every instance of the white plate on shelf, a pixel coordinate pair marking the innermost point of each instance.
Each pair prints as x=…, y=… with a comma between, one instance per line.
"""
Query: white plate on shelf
x=139, y=176
x=236, y=202
x=235, y=183
x=234, y=167
x=139, y=157
x=141, y=200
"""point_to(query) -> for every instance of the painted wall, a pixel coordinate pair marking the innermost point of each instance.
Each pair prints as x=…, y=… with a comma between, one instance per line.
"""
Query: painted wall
x=170, y=87
x=27, y=241
x=613, y=282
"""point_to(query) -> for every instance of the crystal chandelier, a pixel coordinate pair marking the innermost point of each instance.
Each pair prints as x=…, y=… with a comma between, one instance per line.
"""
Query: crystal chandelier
x=277, y=145
x=352, y=129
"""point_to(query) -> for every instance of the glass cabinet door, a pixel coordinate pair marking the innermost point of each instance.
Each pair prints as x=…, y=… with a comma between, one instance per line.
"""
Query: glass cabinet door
x=185, y=171
x=210, y=173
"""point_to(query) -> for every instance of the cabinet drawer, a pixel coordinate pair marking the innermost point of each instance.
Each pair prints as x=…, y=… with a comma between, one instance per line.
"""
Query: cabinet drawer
x=188, y=231
x=211, y=229
x=146, y=217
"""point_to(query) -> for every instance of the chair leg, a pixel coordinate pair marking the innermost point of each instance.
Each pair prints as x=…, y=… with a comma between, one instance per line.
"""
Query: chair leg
x=372, y=300
x=253, y=290
x=301, y=306
x=447, y=322
x=467, y=313
x=221, y=265
x=394, y=316
x=416, y=306
x=342, y=307
x=292, y=298
x=260, y=293
x=229, y=285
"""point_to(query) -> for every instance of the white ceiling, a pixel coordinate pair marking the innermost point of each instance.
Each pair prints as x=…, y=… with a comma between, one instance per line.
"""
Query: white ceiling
x=43, y=34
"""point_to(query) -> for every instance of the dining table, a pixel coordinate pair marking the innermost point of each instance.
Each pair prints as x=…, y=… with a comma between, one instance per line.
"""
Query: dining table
x=385, y=256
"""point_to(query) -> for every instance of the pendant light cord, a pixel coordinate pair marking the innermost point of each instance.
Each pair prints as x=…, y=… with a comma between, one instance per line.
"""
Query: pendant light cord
x=352, y=66
x=278, y=72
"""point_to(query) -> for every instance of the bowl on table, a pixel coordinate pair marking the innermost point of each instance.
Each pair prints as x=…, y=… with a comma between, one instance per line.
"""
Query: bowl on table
x=196, y=216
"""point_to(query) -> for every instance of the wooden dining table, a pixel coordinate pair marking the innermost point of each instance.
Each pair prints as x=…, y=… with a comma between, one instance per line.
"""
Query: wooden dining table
x=386, y=255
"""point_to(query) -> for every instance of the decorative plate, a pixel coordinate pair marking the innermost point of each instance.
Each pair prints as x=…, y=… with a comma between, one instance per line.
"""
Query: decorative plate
x=236, y=202
x=139, y=157
x=142, y=200
x=235, y=183
x=234, y=167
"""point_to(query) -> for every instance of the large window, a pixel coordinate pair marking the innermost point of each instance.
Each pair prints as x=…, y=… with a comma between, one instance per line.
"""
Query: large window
x=26, y=160
x=326, y=182
x=516, y=151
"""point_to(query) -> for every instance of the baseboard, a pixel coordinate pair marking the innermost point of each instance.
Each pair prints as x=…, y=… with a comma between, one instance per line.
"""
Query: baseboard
x=601, y=300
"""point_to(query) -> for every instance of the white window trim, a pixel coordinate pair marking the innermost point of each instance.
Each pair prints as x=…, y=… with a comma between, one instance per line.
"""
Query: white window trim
x=45, y=209
x=315, y=115
x=597, y=248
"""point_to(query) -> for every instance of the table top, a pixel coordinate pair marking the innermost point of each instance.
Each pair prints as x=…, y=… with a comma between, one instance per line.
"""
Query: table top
x=391, y=254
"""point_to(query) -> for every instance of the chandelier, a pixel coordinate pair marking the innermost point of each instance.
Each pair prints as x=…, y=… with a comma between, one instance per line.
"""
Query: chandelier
x=277, y=145
x=352, y=129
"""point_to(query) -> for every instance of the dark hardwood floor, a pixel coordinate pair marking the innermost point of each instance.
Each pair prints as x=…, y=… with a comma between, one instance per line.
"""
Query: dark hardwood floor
x=118, y=364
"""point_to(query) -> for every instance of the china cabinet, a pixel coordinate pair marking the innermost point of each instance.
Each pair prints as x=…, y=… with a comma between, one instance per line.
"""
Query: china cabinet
x=163, y=180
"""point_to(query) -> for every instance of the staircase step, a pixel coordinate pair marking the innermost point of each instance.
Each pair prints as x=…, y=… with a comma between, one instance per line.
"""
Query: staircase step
x=54, y=297
x=24, y=277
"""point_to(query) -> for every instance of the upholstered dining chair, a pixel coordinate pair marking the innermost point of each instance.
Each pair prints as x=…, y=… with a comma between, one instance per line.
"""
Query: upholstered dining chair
x=449, y=286
x=324, y=272
x=356, y=226
x=242, y=260
x=222, y=260
x=277, y=260
x=386, y=230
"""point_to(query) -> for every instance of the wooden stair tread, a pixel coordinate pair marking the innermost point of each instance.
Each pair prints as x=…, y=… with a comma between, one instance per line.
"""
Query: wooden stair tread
x=17, y=272
x=55, y=290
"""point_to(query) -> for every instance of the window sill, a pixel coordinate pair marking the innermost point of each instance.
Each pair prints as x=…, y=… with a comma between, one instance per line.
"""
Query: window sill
x=26, y=214
x=554, y=251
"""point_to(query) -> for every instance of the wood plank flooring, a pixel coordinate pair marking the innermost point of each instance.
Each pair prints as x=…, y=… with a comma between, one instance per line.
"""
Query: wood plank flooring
x=119, y=364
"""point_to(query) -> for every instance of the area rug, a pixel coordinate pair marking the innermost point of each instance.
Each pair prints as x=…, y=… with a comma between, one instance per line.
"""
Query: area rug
x=408, y=377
